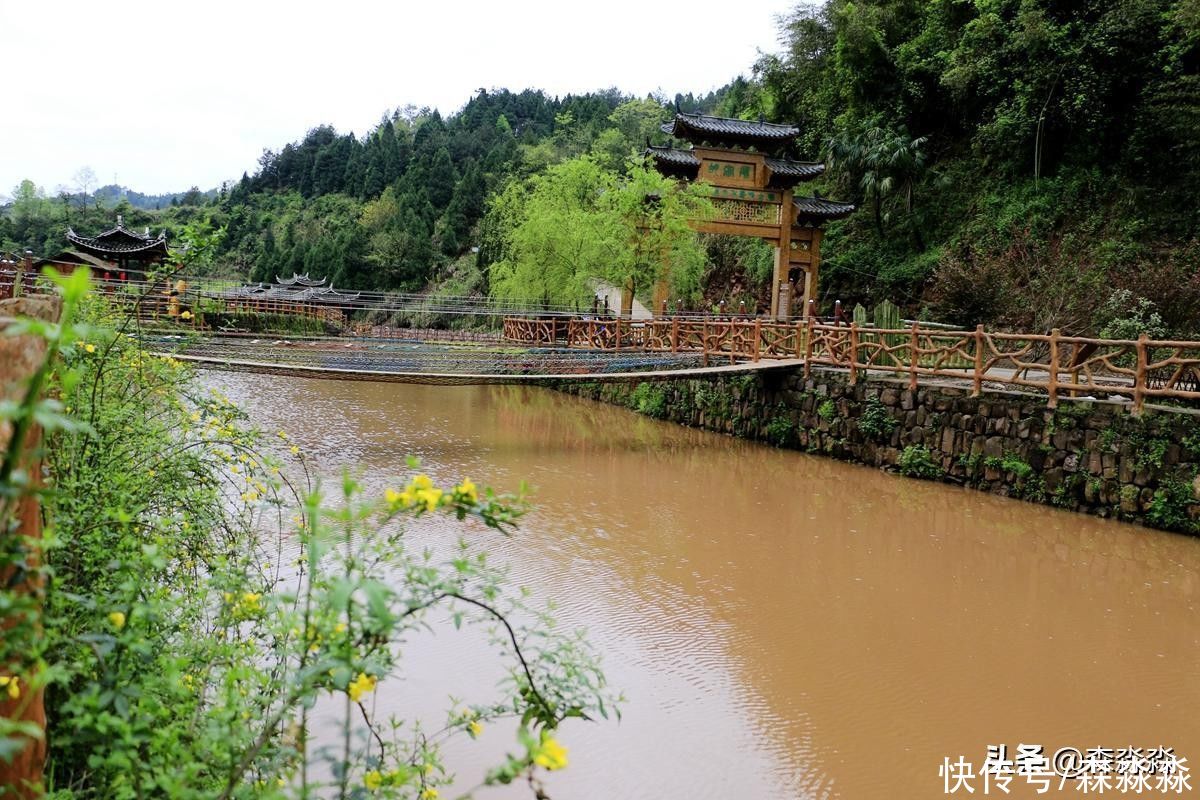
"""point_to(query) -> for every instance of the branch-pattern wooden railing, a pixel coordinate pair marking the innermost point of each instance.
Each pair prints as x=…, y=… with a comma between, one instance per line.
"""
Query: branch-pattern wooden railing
x=1060, y=366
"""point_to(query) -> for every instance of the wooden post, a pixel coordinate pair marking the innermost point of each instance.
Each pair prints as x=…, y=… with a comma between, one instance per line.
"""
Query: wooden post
x=704, y=342
x=25, y=266
x=1139, y=375
x=812, y=271
x=627, y=299
x=800, y=339
x=757, y=336
x=783, y=255
x=20, y=357
x=853, y=353
x=977, y=379
x=809, y=322
x=675, y=335
x=1052, y=382
x=914, y=345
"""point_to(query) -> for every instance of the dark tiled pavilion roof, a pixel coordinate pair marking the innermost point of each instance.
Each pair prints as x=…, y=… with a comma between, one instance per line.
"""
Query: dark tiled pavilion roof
x=736, y=132
x=685, y=164
x=120, y=241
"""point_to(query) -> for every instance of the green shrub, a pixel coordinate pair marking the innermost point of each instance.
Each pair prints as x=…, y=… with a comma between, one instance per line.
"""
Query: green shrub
x=1169, y=507
x=649, y=399
x=917, y=462
x=876, y=422
x=1010, y=462
x=827, y=410
x=780, y=431
x=181, y=658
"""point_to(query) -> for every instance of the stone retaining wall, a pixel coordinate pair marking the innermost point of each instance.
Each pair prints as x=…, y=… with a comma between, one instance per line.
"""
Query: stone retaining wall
x=1090, y=456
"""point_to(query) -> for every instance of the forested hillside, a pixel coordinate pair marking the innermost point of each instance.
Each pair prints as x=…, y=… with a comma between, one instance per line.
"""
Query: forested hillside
x=1016, y=161
x=1028, y=163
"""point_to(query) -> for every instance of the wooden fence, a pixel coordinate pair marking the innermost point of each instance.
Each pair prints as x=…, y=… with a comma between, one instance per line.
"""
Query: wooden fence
x=1058, y=365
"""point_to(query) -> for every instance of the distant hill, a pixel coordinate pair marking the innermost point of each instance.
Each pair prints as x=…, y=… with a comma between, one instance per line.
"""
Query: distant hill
x=112, y=194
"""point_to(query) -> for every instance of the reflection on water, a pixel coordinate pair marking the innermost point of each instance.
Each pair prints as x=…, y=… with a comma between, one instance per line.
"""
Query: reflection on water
x=783, y=625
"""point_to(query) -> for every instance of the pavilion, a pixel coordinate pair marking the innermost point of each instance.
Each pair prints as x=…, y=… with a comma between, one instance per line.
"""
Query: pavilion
x=117, y=249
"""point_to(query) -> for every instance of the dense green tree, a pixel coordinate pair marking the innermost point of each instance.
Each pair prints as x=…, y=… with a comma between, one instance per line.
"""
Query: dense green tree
x=577, y=223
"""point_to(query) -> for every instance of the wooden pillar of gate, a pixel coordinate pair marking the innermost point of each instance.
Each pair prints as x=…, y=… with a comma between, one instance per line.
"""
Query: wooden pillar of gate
x=783, y=260
x=20, y=357
x=812, y=273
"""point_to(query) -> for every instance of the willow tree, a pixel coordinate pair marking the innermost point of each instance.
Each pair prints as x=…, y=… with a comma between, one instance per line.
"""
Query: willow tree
x=577, y=223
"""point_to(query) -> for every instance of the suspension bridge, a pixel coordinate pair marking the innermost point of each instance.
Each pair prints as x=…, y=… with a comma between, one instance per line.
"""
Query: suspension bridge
x=301, y=327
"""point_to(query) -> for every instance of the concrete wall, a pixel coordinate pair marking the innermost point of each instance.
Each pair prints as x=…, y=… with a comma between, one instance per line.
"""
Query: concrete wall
x=1090, y=456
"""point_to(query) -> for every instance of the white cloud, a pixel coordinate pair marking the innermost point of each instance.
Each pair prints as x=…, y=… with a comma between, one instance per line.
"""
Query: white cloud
x=167, y=95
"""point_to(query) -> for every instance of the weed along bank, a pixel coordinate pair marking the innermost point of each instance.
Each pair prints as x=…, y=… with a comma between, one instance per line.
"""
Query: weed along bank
x=1085, y=455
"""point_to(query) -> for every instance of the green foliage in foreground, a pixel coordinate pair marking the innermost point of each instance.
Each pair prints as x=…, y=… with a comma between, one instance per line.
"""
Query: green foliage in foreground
x=183, y=658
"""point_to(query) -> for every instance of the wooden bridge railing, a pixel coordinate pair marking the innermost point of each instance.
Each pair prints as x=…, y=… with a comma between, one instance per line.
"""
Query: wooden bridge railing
x=1058, y=365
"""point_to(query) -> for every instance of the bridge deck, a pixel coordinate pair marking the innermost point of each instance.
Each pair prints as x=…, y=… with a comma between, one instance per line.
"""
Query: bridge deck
x=466, y=379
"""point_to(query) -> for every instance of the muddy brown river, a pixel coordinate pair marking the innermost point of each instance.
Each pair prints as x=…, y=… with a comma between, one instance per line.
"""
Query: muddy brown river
x=783, y=625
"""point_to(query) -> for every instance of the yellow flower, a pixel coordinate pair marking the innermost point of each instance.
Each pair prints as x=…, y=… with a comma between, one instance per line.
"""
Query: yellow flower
x=339, y=628
x=186, y=315
x=373, y=780
x=391, y=496
x=474, y=728
x=431, y=498
x=117, y=618
x=363, y=684
x=423, y=482
x=91, y=348
x=551, y=754
x=429, y=793
x=468, y=490
x=294, y=450
x=13, y=687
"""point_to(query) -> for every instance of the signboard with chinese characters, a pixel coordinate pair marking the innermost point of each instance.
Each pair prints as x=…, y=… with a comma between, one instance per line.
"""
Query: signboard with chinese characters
x=749, y=195
x=729, y=173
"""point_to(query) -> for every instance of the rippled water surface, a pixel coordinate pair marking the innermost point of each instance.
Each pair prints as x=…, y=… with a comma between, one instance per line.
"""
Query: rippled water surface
x=783, y=625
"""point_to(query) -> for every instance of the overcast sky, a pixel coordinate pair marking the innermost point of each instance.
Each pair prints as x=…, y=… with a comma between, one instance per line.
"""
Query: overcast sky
x=160, y=96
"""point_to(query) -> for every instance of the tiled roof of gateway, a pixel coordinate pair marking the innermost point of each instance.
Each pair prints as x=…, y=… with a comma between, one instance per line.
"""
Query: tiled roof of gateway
x=818, y=209
x=685, y=163
x=673, y=156
x=701, y=126
x=795, y=169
